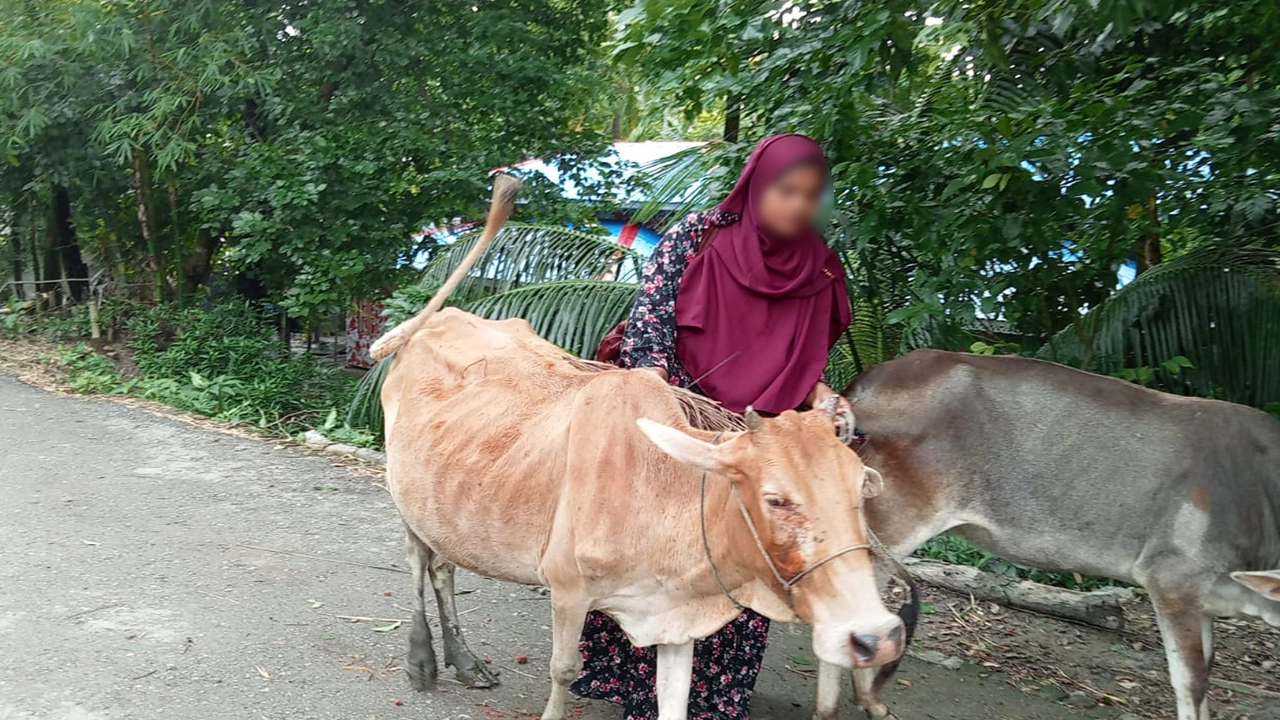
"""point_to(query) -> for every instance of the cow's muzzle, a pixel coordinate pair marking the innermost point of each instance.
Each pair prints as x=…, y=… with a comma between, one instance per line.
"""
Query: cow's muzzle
x=875, y=649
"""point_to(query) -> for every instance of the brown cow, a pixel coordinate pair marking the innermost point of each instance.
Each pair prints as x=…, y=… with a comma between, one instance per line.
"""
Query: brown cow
x=509, y=460
x=1065, y=470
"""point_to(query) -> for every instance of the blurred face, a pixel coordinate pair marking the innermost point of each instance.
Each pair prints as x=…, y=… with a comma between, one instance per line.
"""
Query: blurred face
x=789, y=204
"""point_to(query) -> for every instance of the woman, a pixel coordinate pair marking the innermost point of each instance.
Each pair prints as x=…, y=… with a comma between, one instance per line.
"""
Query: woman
x=741, y=303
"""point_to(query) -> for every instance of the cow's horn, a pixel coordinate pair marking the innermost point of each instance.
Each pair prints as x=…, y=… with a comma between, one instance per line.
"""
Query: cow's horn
x=752, y=419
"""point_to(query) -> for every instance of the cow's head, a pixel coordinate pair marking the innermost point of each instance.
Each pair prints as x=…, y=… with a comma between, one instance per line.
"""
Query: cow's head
x=804, y=491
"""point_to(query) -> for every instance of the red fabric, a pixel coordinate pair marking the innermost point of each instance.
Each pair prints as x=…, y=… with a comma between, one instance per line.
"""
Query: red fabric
x=610, y=348
x=364, y=326
x=757, y=315
x=627, y=236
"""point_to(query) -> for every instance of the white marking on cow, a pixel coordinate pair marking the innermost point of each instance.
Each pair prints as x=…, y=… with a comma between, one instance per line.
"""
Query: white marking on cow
x=1190, y=529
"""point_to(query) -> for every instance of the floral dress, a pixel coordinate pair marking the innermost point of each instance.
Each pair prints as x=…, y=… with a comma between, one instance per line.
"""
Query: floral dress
x=725, y=665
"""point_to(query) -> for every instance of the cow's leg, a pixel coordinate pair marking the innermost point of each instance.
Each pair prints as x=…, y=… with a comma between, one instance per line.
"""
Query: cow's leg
x=420, y=664
x=568, y=614
x=675, y=675
x=827, y=706
x=866, y=693
x=1181, y=617
x=1206, y=640
x=469, y=669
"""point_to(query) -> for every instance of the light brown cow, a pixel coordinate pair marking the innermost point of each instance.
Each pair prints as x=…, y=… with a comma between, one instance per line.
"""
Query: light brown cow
x=508, y=459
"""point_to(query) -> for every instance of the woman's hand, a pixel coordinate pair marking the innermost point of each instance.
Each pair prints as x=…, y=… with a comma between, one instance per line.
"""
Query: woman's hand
x=660, y=372
x=821, y=393
x=822, y=396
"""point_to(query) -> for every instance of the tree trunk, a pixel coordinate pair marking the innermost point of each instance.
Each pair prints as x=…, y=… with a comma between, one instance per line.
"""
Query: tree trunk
x=34, y=246
x=199, y=261
x=144, y=222
x=15, y=257
x=1149, y=251
x=75, y=273
x=52, y=273
x=179, y=262
x=732, y=117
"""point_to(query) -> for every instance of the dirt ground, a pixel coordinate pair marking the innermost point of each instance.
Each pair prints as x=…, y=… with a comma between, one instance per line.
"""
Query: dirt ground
x=161, y=568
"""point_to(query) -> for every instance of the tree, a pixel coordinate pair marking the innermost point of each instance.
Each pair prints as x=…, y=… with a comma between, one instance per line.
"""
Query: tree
x=997, y=159
x=300, y=145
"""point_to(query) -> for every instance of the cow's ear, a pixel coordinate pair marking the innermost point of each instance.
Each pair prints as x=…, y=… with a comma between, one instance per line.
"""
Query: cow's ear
x=872, y=483
x=1266, y=584
x=682, y=446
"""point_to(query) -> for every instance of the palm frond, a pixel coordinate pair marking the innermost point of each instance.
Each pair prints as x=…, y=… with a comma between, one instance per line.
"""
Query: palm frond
x=525, y=254
x=366, y=406
x=842, y=367
x=1217, y=306
x=684, y=181
x=573, y=314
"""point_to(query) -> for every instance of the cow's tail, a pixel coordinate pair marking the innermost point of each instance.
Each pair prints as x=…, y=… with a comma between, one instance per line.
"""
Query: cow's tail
x=505, y=189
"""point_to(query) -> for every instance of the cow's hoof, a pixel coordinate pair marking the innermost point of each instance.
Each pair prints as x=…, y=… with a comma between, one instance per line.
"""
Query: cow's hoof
x=422, y=678
x=880, y=712
x=475, y=674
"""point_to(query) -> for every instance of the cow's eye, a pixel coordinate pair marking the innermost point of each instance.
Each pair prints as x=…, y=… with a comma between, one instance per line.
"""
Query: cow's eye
x=778, y=501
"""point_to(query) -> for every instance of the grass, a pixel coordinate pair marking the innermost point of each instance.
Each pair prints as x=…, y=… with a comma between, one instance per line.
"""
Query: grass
x=958, y=551
x=224, y=362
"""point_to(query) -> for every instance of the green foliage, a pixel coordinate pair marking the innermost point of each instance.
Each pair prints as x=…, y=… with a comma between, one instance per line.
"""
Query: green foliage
x=998, y=160
x=1145, y=375
x=574, y=314
x=958, y=551
x=344, y=433
x=1205, y=323
x=227, y=363
x=365, y=410
x=89, y=372
x=685, y=181
x=523, y=255
x=995, y=348
x=299, y=145
x=14, y=323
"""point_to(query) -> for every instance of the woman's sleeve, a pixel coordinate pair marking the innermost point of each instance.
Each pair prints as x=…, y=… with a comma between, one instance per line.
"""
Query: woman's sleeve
x=650, y=338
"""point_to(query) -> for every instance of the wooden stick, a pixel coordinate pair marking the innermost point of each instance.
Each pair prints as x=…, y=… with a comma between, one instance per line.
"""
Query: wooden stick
x=324, y=559
x=358, y=618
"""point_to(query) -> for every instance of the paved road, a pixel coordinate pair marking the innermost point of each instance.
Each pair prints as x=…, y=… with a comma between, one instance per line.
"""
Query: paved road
x=129, y=589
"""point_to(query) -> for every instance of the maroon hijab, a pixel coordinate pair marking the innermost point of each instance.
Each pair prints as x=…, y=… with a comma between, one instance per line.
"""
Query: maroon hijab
x=756, y=315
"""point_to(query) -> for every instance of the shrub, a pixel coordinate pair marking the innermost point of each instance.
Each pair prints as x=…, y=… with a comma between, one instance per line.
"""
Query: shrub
x=958, y=551
x=14, y=322
x=89, y=372
x=226, y=362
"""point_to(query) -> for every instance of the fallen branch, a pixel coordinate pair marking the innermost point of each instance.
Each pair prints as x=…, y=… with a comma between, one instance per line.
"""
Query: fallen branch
x=507, y=668
x=362, y=618
x=1243, y=688
x=316, y=441
x=1099, y=609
